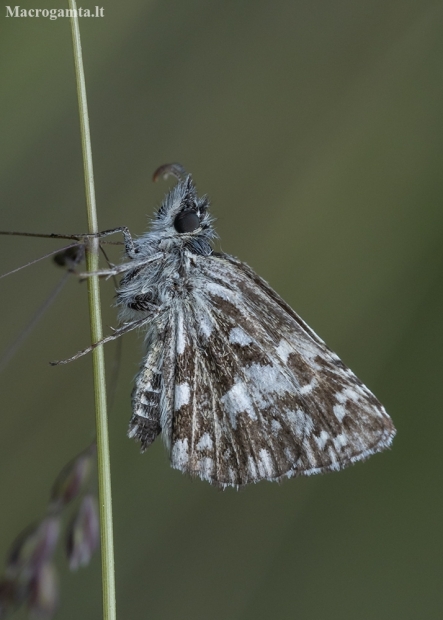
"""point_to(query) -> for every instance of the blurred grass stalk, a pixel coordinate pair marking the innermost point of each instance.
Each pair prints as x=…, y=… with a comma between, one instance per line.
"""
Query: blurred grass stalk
x=103, y=458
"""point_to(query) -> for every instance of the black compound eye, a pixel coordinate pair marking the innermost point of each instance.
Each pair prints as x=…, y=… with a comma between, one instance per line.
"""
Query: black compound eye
x=187, y=221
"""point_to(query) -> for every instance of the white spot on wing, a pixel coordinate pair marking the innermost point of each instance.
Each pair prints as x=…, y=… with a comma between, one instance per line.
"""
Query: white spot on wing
x=301, y=422
x=205, y=325
x=181, y=336
x=332, y=456
x=205, y=442
x=284, y=350
x=179, y=455
x=339, y=412
x=267, y=380
x=321, y=441
x=251, y=467
x=306, y=389
x=204, y=319
x=237, y=400
x=340, y=441
x=182, y=395
x=275, y=426
x=220, y=291
x=289, y=454
x=206, y=467
x=265, y=465
x=238, y=336
x=349, y=393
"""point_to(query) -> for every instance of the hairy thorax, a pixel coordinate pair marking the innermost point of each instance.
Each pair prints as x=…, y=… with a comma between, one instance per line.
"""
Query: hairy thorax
x=161, y=284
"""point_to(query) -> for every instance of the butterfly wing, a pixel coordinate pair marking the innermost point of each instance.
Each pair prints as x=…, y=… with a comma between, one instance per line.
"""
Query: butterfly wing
x=257, y=394
x=152, y=396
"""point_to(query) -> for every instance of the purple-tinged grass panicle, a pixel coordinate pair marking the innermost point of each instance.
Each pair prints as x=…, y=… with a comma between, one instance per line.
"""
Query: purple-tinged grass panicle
x=73, y=478
x=30, y=577
x=11, y=597
x=44, y=593
x=83, y=533
x=32, y=548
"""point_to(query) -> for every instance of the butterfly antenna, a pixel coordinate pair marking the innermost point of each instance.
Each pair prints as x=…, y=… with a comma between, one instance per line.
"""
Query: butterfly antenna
x=13, y=233
x=37, y=260
x=75, y=237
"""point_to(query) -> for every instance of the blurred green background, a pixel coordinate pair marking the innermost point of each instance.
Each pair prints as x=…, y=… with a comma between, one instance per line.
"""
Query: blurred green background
x=316, y=128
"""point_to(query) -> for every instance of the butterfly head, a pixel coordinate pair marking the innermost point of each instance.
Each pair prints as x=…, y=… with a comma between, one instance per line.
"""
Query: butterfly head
x=183, y=220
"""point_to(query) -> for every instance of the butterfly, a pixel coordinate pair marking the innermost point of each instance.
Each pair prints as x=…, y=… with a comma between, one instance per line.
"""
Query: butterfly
x=237, y=384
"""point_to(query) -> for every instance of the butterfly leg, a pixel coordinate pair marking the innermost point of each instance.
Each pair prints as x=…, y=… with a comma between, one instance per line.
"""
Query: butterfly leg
x=127, y=327
x=118, y=269
x=128, y=240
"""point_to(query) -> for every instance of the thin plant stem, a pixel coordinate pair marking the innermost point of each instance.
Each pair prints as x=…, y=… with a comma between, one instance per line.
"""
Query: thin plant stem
x=92, y=255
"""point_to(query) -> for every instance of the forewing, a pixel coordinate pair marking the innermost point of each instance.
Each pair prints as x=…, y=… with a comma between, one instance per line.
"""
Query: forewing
x=258, y=394
x=227, y=427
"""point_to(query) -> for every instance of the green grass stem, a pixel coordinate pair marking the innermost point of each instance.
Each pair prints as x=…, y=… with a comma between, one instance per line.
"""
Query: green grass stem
x=92, y=255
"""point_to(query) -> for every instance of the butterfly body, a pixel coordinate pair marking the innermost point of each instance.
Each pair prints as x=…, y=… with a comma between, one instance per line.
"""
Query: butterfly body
x=240, y=388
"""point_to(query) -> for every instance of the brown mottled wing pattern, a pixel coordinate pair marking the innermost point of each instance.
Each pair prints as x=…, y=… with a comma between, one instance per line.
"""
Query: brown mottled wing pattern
x=212, y=437
x=152, y=396
x=257, y=395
